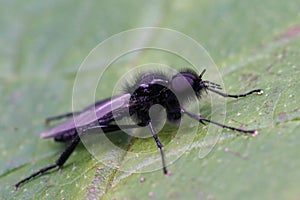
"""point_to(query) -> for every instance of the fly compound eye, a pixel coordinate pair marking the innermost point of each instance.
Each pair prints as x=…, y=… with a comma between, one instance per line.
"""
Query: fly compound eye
x=181, y=84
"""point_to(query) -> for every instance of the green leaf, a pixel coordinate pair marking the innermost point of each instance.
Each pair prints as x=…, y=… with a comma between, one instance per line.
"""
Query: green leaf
x=255, y=45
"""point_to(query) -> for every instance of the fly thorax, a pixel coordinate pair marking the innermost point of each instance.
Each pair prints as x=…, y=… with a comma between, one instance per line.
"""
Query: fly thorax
x=146, y=96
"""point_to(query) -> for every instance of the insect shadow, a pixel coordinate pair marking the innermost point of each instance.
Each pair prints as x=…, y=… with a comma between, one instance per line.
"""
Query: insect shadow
x=149, y=89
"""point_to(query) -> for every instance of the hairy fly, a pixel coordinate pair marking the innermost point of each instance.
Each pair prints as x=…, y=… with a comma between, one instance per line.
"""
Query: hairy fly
x=148, y=90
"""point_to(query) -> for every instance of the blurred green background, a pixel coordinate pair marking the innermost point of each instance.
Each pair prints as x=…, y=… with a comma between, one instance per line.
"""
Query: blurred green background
x=254, y=44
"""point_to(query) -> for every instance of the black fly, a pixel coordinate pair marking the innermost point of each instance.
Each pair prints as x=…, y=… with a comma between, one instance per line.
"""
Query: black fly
x=149, y=89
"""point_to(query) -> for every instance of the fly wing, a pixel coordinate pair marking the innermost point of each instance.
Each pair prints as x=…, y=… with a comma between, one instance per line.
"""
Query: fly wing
x=89, y=115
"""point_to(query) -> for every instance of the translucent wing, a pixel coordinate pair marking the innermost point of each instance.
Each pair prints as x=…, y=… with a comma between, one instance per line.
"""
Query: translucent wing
x=88, y=116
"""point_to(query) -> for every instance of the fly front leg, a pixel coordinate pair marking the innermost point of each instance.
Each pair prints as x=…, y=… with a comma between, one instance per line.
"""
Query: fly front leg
x=258, y=91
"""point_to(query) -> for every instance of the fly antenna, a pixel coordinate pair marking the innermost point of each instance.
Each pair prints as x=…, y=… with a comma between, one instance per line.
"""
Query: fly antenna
x=200, y=76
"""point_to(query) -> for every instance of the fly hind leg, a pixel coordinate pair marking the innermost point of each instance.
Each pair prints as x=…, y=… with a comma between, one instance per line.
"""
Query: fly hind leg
x=58, y=163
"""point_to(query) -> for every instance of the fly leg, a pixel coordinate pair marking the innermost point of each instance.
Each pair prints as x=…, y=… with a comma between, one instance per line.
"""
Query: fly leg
x=258, y=91
x=70, y=148
x=58, y=163
x=201, y=119
x=66, y=115
x=159, y=145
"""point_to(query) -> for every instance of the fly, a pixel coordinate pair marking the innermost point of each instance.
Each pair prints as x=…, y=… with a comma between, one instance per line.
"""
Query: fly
x=148, y=90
